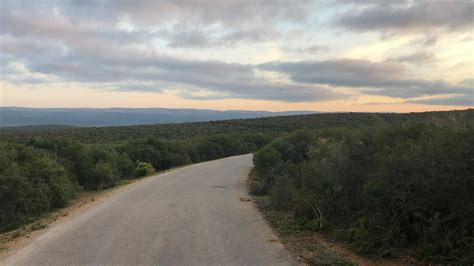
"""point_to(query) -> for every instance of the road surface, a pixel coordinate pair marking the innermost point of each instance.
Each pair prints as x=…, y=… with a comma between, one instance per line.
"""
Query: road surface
x=195, y=215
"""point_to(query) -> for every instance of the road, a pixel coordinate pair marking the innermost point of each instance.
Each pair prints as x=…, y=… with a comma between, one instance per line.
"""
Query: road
x=195, y=215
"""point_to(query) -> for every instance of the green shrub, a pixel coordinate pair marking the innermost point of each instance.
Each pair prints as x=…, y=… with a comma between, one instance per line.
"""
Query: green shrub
x=124, y=165
x=61, y=188
x=102, y=176
x=395, y=188
x=31, y=182
x=266, y=157
x=143, y=169
x=282, y=192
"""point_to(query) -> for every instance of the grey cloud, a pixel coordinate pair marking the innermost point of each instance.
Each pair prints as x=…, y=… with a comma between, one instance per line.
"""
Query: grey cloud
x=196, y=37
x=262, y=90
x=340, y=72
x=408, y=88
x=265, y=91
x=189, y=38
x=253, y=34
x=313, y=49
x=426, y=40
x=467, y=82
x=138, y=87
x=459, y=100
x=417, y=58
x=114, y=64
x=16, y=76
x=20, y=79
x=78, y=21
x=237, y=15
x=12, y=46
x=49, y=29
x=125, y=64
x=377, y=78
x=377, y=103
x=408, y=17
x=81, y=43
x=230, y=13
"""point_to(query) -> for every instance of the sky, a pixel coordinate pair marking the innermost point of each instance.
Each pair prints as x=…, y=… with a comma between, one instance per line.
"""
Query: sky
x=328, y=55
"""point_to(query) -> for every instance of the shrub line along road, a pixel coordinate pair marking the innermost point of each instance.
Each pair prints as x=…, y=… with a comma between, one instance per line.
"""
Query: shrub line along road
x=193, y=215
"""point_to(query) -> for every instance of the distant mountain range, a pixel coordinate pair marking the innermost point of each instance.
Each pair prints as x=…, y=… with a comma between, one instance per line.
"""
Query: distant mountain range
x=96, y=117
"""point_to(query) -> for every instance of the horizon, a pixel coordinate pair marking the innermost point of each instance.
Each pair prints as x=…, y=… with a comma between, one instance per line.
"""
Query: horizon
x=324, y=56
x=231, y=110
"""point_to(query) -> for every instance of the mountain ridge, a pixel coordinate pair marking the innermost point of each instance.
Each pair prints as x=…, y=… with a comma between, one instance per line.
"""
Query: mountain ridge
x=119, y=116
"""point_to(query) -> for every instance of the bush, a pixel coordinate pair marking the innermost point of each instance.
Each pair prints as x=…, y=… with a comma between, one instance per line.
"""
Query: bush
x=31, y=183
x=266, y=157
x=402, y=187
x=102, y=176
x=143, y=169
x=222, y=145
x=45, y=173
x=124, y=165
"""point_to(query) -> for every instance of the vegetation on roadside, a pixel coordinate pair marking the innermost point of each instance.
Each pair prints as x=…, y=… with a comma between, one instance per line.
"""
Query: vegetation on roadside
x=387, y=183
x=404, y=188
x=39, y=174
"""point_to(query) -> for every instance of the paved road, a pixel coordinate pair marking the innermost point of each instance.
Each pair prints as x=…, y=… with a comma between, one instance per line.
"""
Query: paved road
x=190, y=216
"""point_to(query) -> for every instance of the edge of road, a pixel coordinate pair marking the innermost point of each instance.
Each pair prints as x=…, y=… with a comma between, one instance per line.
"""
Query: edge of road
x=14, y=240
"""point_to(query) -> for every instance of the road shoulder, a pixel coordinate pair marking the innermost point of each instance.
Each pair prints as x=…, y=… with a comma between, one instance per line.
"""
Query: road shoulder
x=12, y=241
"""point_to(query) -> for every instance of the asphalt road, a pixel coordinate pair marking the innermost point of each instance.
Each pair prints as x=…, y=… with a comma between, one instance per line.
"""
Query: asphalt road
x=195, y=215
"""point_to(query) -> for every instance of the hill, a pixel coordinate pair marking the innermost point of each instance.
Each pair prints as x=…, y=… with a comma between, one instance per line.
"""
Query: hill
x=268, y=125
x=88, y=117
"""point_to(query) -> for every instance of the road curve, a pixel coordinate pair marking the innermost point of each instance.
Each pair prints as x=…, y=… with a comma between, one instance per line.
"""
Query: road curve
x=193, y=215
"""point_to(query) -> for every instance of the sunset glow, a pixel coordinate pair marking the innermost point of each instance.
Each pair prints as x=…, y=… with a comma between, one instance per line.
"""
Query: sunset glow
x=389, y=56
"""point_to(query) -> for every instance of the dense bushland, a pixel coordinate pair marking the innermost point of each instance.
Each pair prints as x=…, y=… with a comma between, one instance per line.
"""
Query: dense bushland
x=270, y=126
x=383, y=181
x=39, y=174
x=31, y=183
x=389, y=190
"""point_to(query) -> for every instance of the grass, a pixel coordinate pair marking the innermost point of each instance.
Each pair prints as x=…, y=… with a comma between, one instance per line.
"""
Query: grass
x=308, y=247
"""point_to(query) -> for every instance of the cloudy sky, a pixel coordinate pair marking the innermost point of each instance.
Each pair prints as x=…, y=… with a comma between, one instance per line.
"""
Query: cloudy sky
x=259, y=55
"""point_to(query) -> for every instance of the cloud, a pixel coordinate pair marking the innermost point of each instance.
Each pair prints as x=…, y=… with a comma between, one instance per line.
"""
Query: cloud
x=375, y=78
x=426, y=21
x=253, y=34
x=410, y=88
x=45, y=30
x=264, y=91
x=467, y=82
x=99, y=61
x=416, y=16
x=338, y=72
x=456, y=100
x=189, y=38
x=312, y=49
x=145, y=12
x=228, y=13
x=426, y=40
x=138, y=87
x=181, y=24
x=198, y=38
x=125, y=44
x=416, y=58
